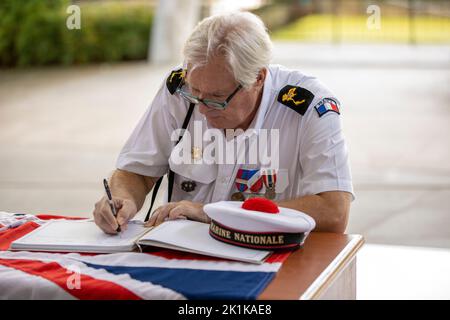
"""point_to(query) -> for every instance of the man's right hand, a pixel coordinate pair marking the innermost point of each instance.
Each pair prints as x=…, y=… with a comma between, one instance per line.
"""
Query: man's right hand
x=104, y=218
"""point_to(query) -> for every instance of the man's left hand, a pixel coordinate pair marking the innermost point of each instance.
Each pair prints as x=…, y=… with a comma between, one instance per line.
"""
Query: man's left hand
x=178, y=210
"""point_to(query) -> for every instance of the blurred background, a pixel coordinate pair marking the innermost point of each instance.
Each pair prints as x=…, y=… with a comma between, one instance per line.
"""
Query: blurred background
x=76, y=76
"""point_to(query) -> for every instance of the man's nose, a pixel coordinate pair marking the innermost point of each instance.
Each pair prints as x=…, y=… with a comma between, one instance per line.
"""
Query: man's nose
x=200, y=96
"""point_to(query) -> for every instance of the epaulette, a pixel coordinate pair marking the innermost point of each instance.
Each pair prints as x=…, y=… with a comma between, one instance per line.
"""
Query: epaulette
x=174, y=80
x=296, y=98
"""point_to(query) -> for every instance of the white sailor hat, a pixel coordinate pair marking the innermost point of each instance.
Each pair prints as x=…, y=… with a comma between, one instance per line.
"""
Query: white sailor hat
x=258, y=223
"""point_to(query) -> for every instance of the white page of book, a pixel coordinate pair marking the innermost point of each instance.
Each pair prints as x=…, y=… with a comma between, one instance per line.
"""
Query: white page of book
x=80, y=233
x=195, y=236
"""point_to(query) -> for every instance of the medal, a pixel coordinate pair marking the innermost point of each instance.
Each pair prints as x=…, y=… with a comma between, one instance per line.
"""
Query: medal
x=242, y=183
x=238, y=196
x=270, y=180
x=269, y=194
x=254, y=195
x=255, y=183
x=241, y=180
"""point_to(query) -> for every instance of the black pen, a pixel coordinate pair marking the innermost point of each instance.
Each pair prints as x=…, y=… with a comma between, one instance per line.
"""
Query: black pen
x=111, y=203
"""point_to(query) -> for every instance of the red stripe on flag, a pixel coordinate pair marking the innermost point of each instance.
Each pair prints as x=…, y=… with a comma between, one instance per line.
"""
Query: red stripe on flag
x=278, y=257
x=334, y=107
x=9, y=235
x=90, y=288
x=55, y=217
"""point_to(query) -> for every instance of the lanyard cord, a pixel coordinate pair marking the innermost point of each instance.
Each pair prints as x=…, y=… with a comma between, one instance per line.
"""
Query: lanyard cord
x=170, y=174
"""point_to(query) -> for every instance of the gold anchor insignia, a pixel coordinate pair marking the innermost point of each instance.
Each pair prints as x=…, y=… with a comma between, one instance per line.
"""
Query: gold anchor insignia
x=291, y=95
x=196, y=153
x=181, y=74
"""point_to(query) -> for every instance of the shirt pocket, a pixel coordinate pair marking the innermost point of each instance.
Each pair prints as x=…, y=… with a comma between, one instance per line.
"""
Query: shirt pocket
x=192, y=181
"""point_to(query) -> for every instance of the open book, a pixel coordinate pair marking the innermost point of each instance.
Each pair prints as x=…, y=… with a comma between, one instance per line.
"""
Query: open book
x=85, y=236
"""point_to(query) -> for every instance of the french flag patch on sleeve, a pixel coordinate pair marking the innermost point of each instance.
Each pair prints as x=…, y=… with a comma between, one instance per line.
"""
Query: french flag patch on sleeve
x=327, y=105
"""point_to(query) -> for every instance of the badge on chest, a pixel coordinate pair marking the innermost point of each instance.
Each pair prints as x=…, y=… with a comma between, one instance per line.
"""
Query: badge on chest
x=188, y=185
x=250, y=183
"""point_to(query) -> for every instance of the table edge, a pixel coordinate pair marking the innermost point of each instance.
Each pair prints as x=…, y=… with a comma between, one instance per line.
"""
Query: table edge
x=334, y=268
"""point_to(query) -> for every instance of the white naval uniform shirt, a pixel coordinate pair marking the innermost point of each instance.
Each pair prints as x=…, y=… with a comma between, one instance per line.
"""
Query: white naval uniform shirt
x=313, y=154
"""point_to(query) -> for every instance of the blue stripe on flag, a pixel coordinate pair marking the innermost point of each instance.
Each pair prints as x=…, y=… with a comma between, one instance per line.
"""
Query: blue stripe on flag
x=322, y=109
x=199, y=284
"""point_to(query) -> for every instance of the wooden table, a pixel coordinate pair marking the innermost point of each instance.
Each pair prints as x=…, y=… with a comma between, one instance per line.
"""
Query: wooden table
x=325, y=268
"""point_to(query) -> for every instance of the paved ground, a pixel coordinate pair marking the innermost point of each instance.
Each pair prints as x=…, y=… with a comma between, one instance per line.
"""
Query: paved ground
x=61, y=131
x=390, y=272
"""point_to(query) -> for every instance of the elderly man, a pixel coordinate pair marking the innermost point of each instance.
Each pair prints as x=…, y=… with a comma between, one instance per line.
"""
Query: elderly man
x=226, y=82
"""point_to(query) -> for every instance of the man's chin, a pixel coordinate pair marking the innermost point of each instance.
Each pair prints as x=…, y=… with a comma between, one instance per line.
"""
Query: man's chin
x=215, y=123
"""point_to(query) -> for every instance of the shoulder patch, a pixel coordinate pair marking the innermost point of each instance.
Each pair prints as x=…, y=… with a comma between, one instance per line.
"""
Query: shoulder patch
x=174, y=80
x=296, y=98
x=327, y=105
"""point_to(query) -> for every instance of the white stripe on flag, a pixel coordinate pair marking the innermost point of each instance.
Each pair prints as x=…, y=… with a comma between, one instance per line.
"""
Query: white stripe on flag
x=16, y=284
x=132, y=259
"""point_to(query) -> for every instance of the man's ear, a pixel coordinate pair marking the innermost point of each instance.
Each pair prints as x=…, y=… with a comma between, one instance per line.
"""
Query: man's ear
x=261, y=77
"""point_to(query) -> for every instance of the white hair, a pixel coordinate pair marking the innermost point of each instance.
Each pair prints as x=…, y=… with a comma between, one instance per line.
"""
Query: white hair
x=240, y=37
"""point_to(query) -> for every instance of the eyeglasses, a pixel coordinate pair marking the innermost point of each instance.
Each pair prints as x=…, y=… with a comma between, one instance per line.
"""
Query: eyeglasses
x=209, y=103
